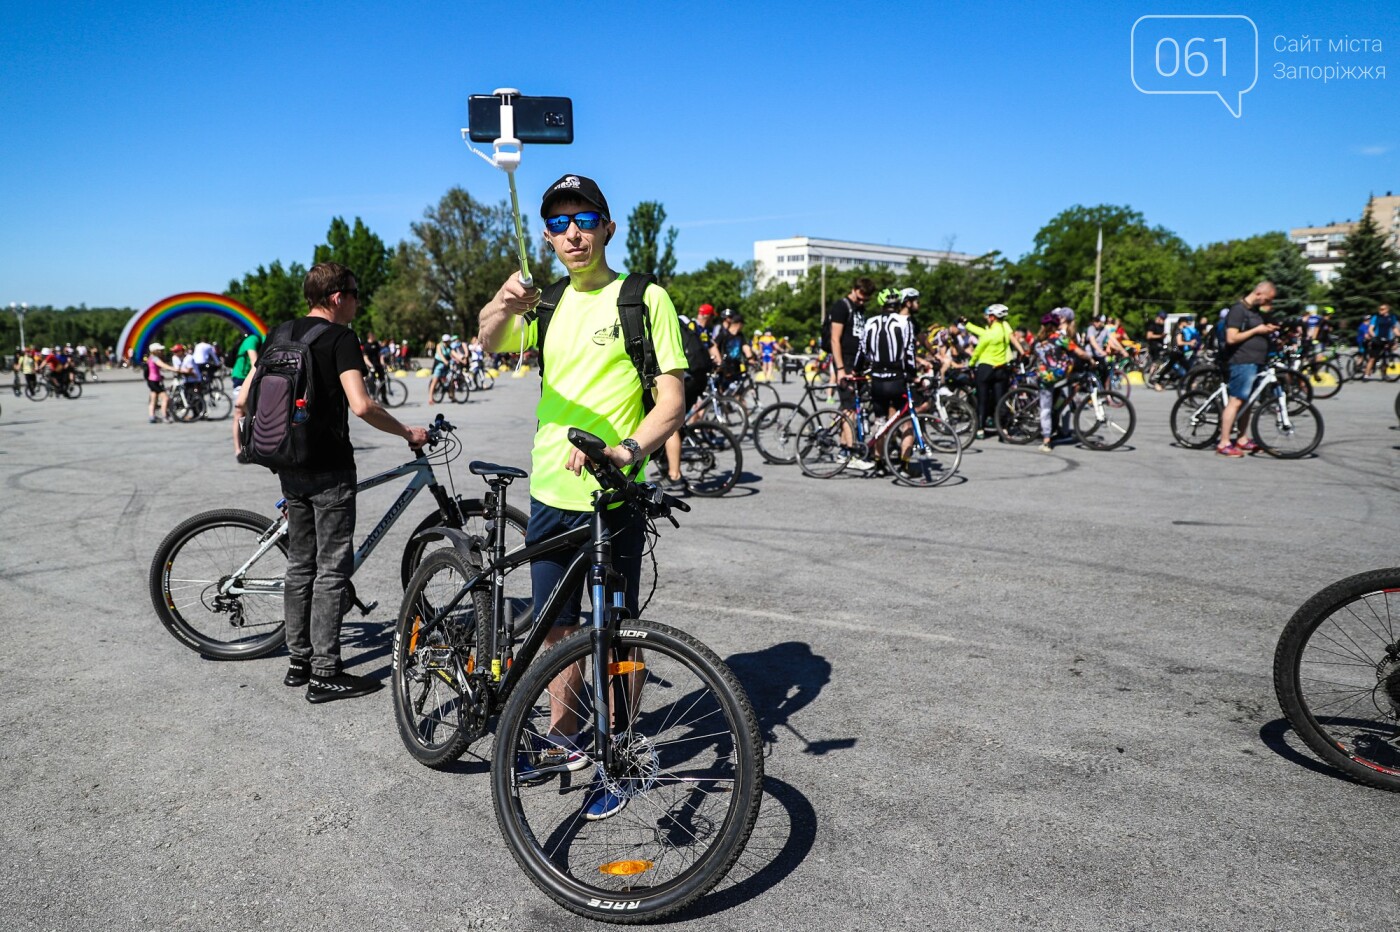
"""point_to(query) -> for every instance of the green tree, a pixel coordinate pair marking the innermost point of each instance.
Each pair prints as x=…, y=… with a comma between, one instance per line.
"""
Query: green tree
x=719, y=282
x=272, y=292
x=462, y=251
x=1289, y=272
x=359, y=250
x=1216, y=275
x=1368, y=277
x=644, y=250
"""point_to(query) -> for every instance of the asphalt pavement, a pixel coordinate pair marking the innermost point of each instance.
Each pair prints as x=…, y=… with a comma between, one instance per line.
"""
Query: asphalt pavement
x=1037, y=697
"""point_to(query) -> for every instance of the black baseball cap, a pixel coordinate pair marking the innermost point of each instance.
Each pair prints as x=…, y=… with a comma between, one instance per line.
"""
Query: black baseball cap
x=575, y=187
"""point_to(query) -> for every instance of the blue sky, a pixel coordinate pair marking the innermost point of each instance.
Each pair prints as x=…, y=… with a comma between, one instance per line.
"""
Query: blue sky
x=156, y=148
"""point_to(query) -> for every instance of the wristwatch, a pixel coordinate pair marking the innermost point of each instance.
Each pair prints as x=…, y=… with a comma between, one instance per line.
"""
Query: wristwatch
x=631, y=446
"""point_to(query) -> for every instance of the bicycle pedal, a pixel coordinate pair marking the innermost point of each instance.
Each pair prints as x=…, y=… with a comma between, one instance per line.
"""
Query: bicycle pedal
x=365, y=609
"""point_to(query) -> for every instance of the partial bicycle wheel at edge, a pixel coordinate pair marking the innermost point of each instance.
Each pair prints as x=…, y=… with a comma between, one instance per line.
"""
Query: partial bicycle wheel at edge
x=689, y=767
x=191, y=563
x=1337, y=676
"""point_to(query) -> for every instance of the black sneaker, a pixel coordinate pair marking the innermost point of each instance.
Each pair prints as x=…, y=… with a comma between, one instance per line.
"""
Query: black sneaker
x=298, y=672
x=340, y=686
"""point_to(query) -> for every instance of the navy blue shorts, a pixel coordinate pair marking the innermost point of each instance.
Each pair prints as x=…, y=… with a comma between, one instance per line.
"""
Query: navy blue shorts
x=628, y=540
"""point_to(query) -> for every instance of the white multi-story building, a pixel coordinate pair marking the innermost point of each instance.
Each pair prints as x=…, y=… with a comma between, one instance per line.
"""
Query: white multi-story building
x=1323, y=247
x=789, y=259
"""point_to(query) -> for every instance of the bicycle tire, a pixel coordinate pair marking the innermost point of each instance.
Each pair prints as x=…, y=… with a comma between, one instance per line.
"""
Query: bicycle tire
x=1337, y=676
x=1018, y=416
x=73, y=390
x=439, y=392
x=1299, y=439
x=962, y=418
x=1326, y=380
x=217, y=407
x=1193, y=425
x=711, y=460
x=1390, y=367
x=213, y=544
x=438, y=708
x=1200, y=381
x=1106, y=432
x=1397, y=406
x=1356, y=366
x=395, y=393
x=933, y=457
x=775, y=432
x=692, y=776
x=1295, y=386
x=461, y=392
x=184, y=408
x=819, y=452
x=474, y=516
x=1118, y=384
x=40, y=391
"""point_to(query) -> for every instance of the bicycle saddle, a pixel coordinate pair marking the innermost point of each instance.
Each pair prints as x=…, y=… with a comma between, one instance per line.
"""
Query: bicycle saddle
x=480, y=468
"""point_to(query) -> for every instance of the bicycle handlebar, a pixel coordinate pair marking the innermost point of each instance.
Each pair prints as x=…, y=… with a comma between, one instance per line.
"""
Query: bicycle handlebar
x=654, y=502
x=437, y=428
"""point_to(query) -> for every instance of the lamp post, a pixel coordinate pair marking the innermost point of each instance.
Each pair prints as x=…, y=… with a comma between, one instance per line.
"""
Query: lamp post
x=19, y=311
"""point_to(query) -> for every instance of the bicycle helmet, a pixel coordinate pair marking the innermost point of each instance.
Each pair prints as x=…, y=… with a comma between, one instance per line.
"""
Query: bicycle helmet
x=726, y=314
x=908, y=294
x=888, y=297
x=1064, y=313
x=999, y=311
x=1050, y=320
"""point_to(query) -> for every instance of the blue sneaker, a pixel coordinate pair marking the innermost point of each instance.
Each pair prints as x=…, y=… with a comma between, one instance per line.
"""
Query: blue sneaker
x=555, y=754
x=602, y=804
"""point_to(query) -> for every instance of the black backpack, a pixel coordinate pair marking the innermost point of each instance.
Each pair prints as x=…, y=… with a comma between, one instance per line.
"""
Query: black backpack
x=697, y=353
x=631, y=314
x=281, y=401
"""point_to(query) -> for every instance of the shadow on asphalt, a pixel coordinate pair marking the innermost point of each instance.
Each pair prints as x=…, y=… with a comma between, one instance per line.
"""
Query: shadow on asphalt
x=780, y=680
x=1274, y=735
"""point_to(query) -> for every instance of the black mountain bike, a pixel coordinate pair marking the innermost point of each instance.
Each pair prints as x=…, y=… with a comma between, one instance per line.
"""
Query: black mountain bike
x=627, y=771
x=1337, y=676
x=216, y=578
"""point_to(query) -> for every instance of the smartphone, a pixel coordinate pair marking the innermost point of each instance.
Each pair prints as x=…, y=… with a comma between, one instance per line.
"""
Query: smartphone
x=539, y=120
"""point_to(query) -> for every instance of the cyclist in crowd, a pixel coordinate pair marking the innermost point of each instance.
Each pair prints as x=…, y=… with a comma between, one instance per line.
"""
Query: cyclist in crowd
x=734, y=352
x=1156, y=335
x=597, y=390
x=1380, y=336
x=442, y=363
x=991, y=363
x=182, y=360
x=767, y=353
x=245, y=358
x=845, y=320
x=59, y=366
x=1245, y=349
x=27, y=365
x=206, y=358
x=702, y=357
x=155, y=369
x=1056, y=354
x=887, y=352
x=476, y=354
x=372, y=354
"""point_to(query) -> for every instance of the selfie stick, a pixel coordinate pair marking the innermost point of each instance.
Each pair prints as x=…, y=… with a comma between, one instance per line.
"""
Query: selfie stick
x=506, y=156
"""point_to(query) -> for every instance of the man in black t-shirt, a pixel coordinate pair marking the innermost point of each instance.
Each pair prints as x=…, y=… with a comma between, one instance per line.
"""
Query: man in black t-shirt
x=321, y=495
x=846, y=318
x=1246, y=349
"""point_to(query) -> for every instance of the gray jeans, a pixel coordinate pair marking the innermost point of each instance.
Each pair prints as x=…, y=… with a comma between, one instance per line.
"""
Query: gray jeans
x=320, y=559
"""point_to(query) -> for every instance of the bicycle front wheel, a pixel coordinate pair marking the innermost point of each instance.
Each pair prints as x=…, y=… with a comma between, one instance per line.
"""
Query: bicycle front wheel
x=207, y=593
x=775, y=432
x=1288, y=438
x=1196, y=420
x=923, y=457
x=1018, y=416
x=440, y=707
x=1107, y=425
x=1326, y=380
x=710, y=458
x=395, y=393
x=218, y=406
x=667, y=821
x=461, y=392
x=819, y=451
x=74, y=389
x=1337, y=676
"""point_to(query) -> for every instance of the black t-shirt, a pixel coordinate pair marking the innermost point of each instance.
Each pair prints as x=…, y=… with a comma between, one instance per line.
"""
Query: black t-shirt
x=1254, y=350
x=851, y=317
x=371, y=348
x=335, y=351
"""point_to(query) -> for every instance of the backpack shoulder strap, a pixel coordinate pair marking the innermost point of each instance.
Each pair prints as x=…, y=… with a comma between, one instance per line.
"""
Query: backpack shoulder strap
x=543, y=312
x=636, y=332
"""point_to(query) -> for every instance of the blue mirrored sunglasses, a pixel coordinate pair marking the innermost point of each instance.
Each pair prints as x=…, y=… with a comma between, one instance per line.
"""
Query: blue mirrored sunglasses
x=586, y=220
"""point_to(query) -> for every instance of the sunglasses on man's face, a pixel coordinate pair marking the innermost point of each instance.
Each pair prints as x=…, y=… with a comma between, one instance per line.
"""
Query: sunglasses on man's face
x=586, y=220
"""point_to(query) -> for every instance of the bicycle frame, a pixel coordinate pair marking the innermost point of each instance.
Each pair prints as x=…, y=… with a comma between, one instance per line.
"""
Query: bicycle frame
x=423, y=476
x=1266, y=378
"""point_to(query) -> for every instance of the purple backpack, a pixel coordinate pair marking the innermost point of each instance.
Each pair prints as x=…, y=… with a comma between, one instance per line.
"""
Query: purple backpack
x=281, y=402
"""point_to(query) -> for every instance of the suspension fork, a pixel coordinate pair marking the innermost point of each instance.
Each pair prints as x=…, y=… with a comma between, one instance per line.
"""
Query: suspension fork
x=599, y=569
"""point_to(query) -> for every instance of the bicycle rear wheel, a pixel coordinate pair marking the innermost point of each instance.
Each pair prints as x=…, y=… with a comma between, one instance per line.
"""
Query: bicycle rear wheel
x=923, y=457
x=819, y=451
x=962, y=418
x=1106, y=427
x=1389, y=367
x=191, y=565
x=439, y=705
x=1292, y=440
x=775, y=432
x=710, y=458
x=1337, y=676
x=1196, y=420
x=217, y=406
x=395, y=392
x=681, y=799
x=461, y=392
x=1018, y=416
x=1326, y=380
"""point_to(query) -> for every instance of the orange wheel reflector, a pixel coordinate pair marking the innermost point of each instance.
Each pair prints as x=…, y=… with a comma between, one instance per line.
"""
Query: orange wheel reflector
x=618, y=667
x=413, y=639
x=625, y=868
x=471, y=663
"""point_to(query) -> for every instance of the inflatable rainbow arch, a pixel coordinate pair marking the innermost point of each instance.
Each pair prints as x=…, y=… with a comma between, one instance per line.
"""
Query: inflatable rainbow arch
x=141, y=328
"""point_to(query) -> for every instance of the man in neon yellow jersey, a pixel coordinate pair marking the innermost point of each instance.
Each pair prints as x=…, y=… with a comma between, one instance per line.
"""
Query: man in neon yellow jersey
x=589, y=382
x=991, y=364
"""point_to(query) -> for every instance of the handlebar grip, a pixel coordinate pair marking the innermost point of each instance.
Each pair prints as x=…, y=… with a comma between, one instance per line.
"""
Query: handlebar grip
x=592, y=446
x=673, y=502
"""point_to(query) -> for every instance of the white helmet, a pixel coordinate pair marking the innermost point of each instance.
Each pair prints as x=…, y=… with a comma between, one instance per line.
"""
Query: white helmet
x=446, y=338
x=999, y=311
x=908, y=294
